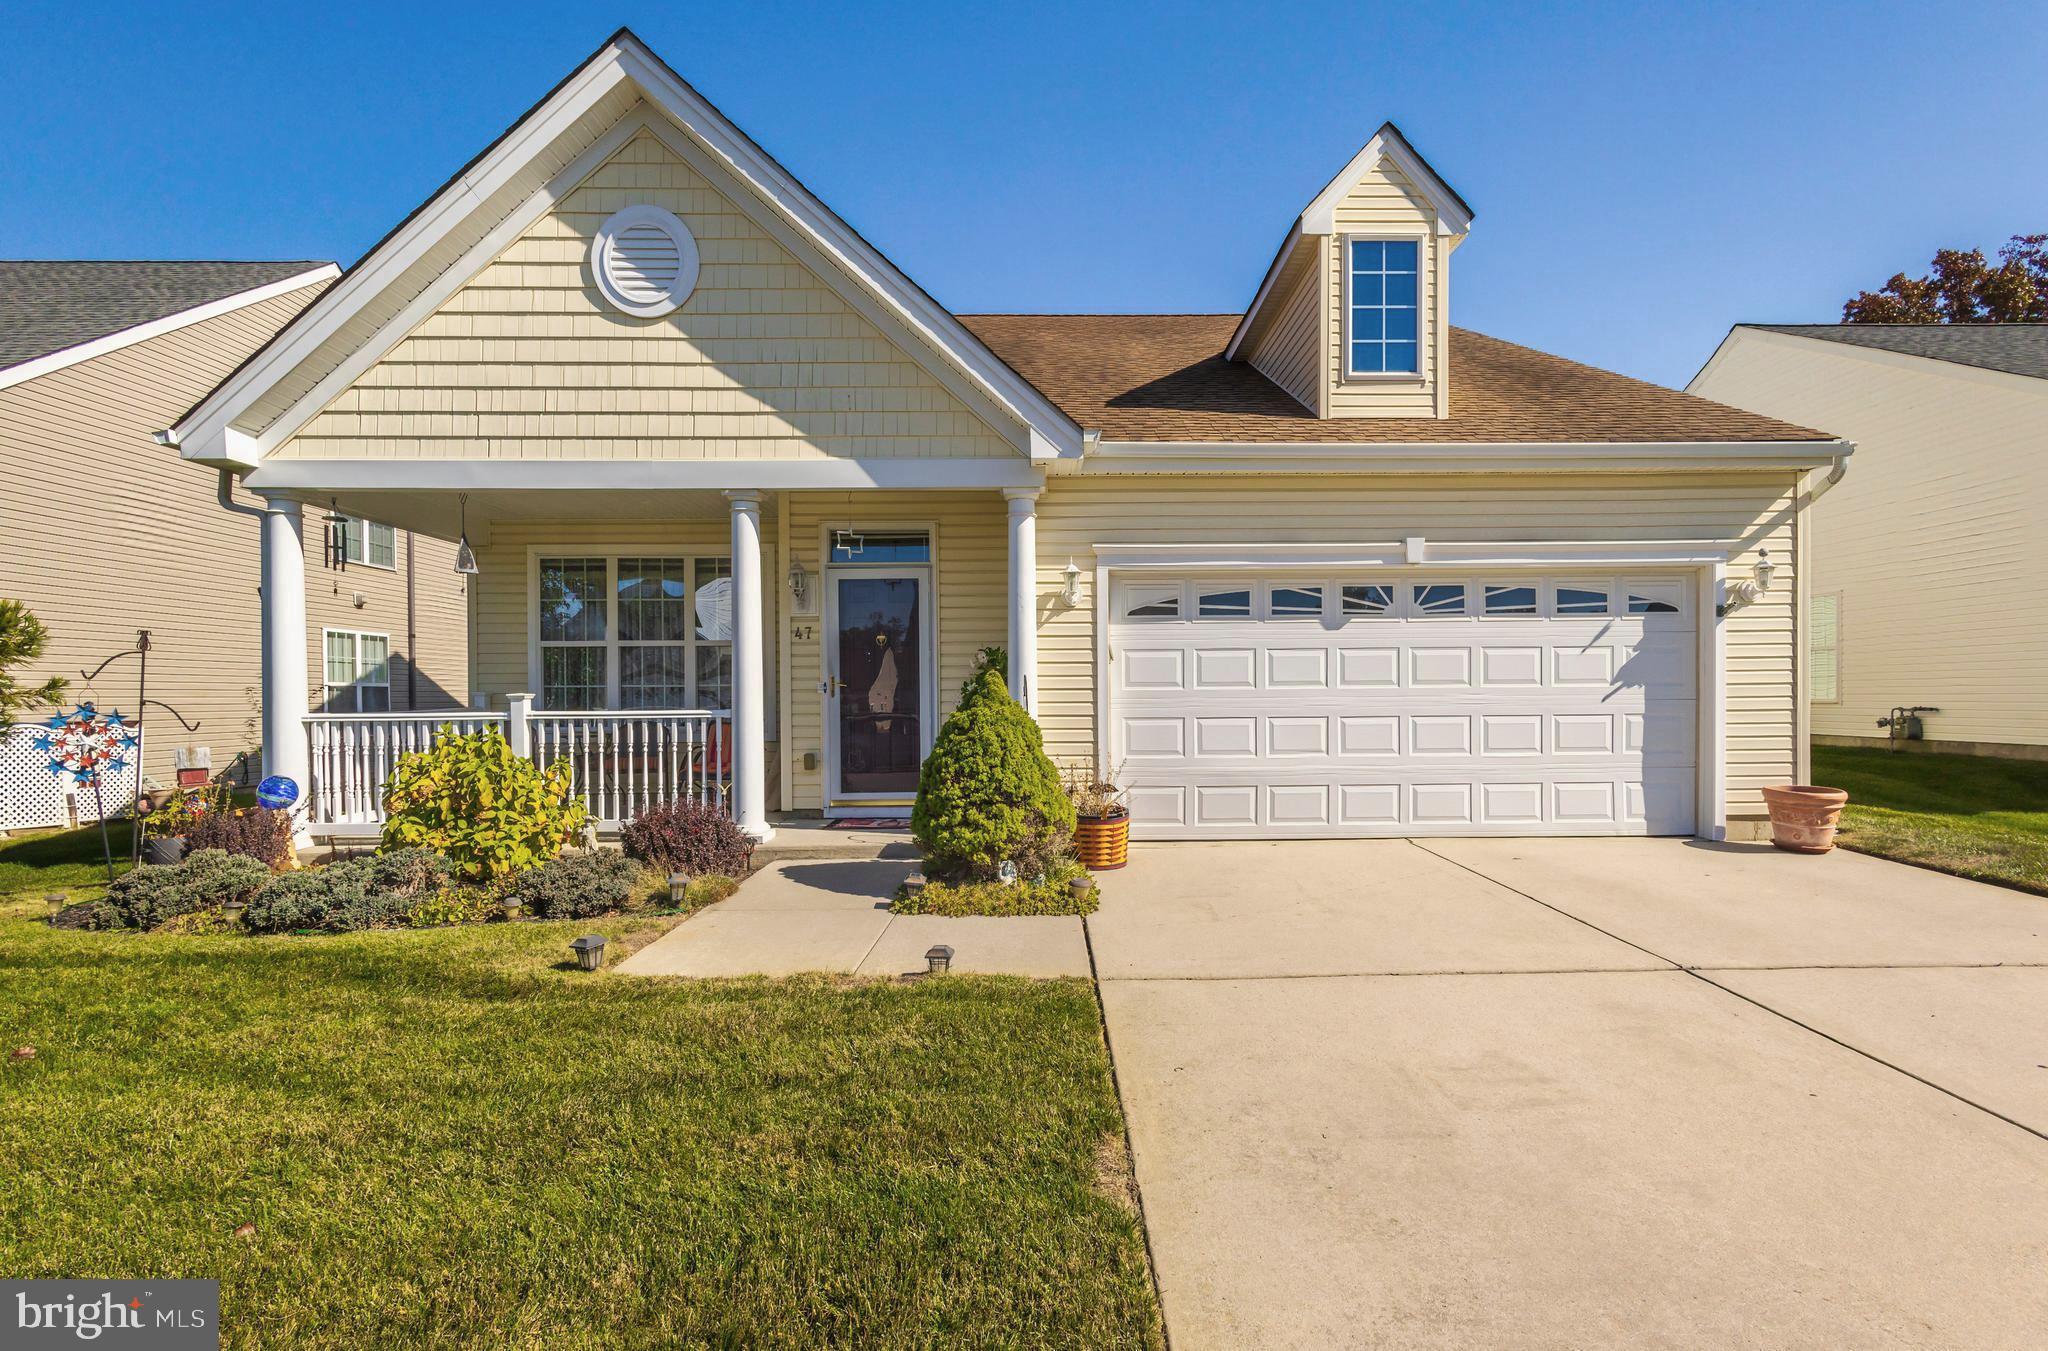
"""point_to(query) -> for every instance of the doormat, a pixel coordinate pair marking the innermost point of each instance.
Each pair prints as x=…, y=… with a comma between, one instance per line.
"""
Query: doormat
x=867, y=823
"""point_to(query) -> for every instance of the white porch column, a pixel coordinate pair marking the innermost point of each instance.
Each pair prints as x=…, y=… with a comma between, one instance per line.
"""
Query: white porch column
x=749, y=670
x=1024, y=596
x=284, y=651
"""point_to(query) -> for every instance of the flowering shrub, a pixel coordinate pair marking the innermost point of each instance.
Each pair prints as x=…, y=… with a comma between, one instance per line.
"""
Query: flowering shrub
x=492, y=812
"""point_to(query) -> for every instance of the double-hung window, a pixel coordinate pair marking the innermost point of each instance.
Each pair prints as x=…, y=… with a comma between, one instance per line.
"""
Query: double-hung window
x=369, y=543
x=635, y=631
x=1381, y=288
x=357, y=677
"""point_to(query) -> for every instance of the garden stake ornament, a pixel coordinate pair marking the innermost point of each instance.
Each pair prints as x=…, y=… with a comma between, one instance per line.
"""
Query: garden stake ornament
x=142, y=702
x=86, y=744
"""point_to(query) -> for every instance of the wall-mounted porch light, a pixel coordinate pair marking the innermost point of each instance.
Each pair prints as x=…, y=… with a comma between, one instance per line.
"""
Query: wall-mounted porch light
x=1071, y=596
x=799, y=581
x=465, y=557
x=1748, y=592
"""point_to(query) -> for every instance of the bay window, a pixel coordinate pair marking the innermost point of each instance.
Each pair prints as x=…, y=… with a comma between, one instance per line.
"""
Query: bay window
x=633, y=631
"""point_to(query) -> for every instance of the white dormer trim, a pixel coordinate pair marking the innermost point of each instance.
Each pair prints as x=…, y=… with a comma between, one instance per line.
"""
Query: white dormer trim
x=1453, y=217
x=208, y=432
x=1319, y=217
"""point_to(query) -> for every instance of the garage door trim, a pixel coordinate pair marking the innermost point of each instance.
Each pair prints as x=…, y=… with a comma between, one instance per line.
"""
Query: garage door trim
x=1704, y=562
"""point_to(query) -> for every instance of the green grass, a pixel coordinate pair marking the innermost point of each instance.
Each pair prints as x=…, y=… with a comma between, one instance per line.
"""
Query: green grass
x=1974, y=816
x=444, y=1138
x=61, y=860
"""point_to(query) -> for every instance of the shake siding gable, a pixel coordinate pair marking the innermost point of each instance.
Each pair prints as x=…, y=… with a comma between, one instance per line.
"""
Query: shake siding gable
x=765, y=360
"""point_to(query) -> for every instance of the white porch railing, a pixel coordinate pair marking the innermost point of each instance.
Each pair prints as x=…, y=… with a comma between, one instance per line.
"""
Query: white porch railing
x=619, y=762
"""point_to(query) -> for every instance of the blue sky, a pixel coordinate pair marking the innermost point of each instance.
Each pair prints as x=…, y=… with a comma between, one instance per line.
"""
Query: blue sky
x=1644, y=176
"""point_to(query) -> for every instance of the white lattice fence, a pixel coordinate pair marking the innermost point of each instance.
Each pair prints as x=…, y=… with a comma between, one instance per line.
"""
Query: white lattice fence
x=31, y=796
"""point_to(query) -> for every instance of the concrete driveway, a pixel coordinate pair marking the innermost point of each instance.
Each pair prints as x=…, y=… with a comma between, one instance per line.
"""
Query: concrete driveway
x=1581, y=1093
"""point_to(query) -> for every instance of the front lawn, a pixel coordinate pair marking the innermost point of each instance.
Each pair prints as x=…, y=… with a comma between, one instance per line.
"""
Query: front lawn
x=444, y=1138
x=1975, y=816
x=70, y=861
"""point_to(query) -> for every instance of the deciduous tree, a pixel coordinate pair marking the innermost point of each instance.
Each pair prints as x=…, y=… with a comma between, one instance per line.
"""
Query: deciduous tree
x=1964, y=288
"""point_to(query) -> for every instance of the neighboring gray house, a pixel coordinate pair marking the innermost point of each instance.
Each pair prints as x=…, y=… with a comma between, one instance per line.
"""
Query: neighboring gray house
x=103, y=531
x=1928, y=559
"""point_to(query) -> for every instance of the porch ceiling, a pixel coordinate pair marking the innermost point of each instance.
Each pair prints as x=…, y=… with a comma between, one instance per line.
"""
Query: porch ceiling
x=438, y=512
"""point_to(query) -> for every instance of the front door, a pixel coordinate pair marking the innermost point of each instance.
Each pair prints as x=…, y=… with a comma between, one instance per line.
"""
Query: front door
x=878, y=696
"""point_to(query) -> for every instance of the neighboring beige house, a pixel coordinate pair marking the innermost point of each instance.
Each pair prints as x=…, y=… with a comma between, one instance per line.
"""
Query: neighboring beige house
x=104, y=532
x=746, y=503
x=1925, y=581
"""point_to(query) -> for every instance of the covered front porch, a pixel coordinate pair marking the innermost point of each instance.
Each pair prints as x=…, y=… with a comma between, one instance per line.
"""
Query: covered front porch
x=779, y=649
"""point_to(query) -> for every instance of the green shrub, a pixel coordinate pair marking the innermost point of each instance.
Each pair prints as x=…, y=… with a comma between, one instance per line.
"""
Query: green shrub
x=581, y=885
x=147, y=898
x=493, y=813
x=458, y=904
x=1048, y=894
x=988, y=794
x=380, y=891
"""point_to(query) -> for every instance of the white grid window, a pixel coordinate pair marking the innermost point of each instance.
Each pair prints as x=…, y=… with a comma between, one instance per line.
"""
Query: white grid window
x=635, y=631
x=369, y=543
x=357, y=675
x=1824, y=649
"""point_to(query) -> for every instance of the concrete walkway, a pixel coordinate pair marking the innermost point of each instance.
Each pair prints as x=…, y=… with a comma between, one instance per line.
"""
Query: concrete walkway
x=1581, y=1093
x=833, y=916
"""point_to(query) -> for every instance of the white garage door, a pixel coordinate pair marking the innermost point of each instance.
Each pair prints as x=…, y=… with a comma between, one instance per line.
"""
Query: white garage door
x=1435, y=705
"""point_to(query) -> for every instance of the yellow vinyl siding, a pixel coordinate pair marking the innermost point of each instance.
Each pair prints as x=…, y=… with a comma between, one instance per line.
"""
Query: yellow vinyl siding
x=106, y=532
x=1076, y=514
x=765, y=360
x=1385, y=203
x=1935, y=541
x=1289, y=350
x=970, y=542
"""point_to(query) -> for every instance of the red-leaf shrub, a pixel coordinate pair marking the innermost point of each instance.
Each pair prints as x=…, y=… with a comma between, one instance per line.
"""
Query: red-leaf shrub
x=259, y=833
x=688, y=837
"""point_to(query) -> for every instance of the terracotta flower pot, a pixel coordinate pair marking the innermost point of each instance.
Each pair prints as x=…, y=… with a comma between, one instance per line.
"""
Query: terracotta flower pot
x=1103, y=843
x=1803, y=817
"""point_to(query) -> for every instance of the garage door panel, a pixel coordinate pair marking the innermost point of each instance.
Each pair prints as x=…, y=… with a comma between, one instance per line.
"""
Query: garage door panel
x=1380, y=721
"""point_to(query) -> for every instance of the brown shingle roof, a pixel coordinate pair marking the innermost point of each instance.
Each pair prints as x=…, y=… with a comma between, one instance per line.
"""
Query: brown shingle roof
x=1162, y=377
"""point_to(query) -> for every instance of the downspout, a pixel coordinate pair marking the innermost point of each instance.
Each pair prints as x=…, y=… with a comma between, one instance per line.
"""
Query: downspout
x=227, y=497
x=412, y=636
x=228, y=503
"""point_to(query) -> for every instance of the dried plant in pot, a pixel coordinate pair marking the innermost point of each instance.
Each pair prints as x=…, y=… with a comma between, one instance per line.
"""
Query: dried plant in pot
x=1102, y=829
x=1804, y=816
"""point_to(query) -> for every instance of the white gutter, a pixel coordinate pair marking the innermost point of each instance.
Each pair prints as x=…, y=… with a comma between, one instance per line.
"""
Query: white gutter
x=1195, y=457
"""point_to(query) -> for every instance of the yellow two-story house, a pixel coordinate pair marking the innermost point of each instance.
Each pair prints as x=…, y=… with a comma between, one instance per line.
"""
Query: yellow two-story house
x=745, y=503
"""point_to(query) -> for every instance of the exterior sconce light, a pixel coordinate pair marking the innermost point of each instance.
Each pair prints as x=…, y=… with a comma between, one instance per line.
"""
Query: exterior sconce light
x=799, y=581
x=465, y=557
x=1747, y=592
x=938, y=960
x=589, y=951
x=1072, y=594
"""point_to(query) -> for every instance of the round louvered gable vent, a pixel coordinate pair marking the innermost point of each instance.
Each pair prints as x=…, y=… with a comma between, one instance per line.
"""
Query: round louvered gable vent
x=645, y=261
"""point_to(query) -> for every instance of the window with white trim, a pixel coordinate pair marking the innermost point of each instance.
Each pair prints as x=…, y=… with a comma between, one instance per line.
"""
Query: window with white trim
x=1369, y=598
x=1295, y=602
x=1382, y=332
x=356, y=676
x=1824, y=649
x=369, y=543
x=634, y=631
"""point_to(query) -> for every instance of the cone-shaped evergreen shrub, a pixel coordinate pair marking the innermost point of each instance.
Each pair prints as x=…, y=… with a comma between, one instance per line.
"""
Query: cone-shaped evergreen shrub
x=988, y=793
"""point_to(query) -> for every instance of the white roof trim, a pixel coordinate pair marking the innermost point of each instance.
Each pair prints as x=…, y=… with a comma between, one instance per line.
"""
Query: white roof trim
x=1201, y=457
x=170, y=323
x=1433, y=553
x=481, y=475
x=201, y=432
x=1319, y=217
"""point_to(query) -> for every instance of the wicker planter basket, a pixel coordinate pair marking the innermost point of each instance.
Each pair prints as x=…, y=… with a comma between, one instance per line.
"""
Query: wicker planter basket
x=1103, y=842
x=1803, y=817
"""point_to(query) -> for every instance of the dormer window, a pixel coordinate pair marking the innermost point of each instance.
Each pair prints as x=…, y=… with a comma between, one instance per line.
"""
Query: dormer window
x=1380, y=305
